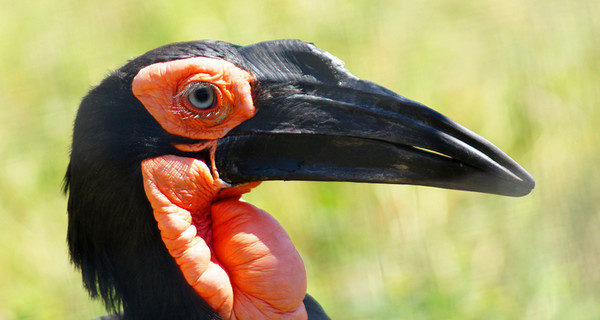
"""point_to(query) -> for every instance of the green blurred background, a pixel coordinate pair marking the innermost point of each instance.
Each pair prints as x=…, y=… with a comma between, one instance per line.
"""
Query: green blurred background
x=524, y=74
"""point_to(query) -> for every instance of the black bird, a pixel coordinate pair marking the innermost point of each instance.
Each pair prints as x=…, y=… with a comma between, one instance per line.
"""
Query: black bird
x=165, y=145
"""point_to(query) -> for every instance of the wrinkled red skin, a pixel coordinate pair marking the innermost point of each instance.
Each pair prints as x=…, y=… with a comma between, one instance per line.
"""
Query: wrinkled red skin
x=236, y=256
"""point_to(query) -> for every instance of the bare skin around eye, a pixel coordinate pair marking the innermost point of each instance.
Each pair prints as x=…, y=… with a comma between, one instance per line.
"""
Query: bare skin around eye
x=236, y=256
x=158, y=85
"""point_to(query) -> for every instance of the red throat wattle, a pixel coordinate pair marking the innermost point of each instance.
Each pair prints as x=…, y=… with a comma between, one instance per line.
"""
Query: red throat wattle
x=235, y=256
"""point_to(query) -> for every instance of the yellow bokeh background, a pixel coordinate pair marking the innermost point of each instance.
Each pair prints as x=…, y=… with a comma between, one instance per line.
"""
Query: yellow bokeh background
x=523, y=74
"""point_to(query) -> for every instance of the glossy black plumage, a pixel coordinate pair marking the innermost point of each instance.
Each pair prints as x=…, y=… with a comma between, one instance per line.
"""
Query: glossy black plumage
x=112, y=235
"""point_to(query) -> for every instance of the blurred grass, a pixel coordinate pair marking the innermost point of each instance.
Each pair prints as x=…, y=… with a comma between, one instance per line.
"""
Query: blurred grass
x=524, y=74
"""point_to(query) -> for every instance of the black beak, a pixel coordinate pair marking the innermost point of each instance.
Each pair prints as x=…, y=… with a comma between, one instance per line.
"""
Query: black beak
x=316, y=121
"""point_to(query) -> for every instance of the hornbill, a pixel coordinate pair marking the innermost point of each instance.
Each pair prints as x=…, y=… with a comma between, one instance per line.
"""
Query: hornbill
x=164, y=147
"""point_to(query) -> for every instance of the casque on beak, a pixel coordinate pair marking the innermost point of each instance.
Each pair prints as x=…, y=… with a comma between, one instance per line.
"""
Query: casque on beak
x=316, y=121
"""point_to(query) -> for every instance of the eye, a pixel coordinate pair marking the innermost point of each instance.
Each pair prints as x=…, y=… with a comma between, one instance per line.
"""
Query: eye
x=202, y=95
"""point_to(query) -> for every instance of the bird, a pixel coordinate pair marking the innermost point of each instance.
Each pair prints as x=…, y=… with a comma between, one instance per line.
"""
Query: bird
x=165, y=146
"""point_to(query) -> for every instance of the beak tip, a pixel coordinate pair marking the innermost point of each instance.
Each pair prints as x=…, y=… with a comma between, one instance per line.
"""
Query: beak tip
x=520, y=188
x=528, y=186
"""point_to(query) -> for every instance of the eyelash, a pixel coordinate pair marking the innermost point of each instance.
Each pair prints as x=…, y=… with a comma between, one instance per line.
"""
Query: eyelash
x=217, y=112
x=189, y=89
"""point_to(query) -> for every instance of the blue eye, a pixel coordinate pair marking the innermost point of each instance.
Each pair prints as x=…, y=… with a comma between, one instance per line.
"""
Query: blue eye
x=202, y=96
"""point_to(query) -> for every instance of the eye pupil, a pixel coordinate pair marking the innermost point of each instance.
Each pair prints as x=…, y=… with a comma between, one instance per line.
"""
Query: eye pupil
x=202, y=97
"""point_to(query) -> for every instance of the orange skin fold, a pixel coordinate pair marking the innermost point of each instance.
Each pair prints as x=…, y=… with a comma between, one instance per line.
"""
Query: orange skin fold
x=235, y=256
x=158, y=85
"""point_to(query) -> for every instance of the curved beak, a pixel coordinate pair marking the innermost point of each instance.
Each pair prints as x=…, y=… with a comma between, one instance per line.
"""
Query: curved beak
x=315, y=121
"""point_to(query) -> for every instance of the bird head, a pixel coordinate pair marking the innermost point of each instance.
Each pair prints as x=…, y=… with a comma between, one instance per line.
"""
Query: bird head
x=276, y=110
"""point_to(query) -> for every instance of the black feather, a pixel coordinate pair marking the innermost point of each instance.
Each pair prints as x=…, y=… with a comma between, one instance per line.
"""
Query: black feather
x=112, y=235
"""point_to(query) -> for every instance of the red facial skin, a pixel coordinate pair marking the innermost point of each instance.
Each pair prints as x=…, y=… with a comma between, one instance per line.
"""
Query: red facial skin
x=236, y=256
